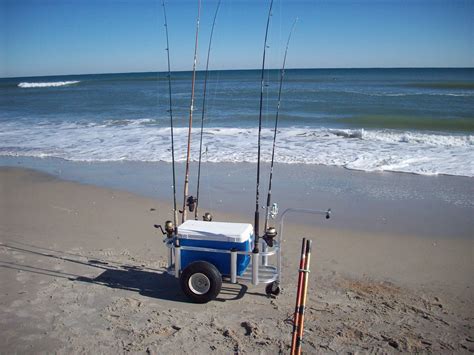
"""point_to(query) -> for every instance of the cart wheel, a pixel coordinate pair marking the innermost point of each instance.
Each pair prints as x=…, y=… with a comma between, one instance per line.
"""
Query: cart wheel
x=201, y=281
x=272, y=289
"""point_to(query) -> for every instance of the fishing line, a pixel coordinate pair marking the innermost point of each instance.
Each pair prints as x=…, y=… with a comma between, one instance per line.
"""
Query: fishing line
x=207, y=175
x=257, y=204
x=204, y=110
x=175, y=211
x=282, y=76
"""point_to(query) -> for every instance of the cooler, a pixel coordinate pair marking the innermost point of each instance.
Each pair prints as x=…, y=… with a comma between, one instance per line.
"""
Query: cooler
x=215, y=235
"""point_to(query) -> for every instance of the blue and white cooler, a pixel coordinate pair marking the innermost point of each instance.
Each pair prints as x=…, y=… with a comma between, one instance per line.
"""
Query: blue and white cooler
x=215, y=235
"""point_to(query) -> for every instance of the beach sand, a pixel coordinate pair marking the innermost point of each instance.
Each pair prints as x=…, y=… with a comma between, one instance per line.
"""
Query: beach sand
x=82, y=270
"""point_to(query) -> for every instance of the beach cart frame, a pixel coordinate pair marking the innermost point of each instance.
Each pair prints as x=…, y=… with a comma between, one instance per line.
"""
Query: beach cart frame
x=202, y=283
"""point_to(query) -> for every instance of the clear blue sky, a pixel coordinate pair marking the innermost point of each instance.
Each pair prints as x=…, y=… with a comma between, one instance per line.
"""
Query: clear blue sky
x=46, y=37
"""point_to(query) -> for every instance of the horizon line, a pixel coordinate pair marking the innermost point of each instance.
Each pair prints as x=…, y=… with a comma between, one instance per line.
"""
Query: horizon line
x=218, y=70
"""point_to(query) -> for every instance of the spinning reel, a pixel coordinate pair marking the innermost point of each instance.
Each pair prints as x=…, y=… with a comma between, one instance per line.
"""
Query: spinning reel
x=191, y=203
x=269, y=235
x=169, y=229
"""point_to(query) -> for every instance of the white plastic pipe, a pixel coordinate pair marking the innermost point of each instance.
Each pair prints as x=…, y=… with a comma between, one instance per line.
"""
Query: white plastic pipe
x=264, y=250
x=233, y=266
x=177, y=261
x=255, y=261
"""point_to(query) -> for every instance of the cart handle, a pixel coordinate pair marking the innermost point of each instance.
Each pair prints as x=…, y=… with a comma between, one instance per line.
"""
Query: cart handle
x=326, y=213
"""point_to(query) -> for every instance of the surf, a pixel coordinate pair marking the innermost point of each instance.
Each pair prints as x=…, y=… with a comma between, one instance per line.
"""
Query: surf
x=26, y=85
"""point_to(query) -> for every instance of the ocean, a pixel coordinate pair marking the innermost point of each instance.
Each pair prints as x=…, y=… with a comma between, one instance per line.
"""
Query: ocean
x=405, y=120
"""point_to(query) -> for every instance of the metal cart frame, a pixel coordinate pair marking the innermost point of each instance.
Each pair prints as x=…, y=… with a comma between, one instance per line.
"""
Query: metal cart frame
x=259, y=271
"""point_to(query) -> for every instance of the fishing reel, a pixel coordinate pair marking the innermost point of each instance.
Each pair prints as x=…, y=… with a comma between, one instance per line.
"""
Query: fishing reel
x=169, y=229
x=191, y=203
x=207, y=217
x=269, y=235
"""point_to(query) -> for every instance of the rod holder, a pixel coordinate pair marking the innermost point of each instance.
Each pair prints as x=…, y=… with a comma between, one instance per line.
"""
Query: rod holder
x=255, y=260
x=279, y=263
x=177, y=260
x=264, y=250
x=233, y=266
x=170, y=256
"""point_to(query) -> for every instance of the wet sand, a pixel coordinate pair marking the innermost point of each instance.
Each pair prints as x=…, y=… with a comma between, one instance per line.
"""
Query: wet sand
x=82, y=270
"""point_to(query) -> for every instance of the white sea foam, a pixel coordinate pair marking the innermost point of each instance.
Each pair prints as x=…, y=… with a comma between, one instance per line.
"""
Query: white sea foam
x=26, y=85
x=459, y=93
x=141, y=140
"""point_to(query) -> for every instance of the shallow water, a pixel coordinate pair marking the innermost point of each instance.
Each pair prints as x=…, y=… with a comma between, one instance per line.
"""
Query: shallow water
x=393, y=203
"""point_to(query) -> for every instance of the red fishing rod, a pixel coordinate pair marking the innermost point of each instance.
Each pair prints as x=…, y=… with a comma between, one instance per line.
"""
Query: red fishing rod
x=299, y=288
x=304, y=293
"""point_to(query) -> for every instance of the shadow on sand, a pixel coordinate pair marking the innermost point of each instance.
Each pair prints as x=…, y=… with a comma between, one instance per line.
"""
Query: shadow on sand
x=149, y=282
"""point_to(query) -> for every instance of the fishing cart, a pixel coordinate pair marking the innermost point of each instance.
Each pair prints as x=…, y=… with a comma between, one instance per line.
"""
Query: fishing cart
x=204, y=253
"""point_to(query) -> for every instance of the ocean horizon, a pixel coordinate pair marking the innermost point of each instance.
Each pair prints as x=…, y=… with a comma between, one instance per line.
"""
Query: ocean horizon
x=198, y=70
x=415, y=120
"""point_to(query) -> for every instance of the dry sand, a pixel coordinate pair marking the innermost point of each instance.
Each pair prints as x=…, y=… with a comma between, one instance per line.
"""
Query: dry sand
x=82, y=271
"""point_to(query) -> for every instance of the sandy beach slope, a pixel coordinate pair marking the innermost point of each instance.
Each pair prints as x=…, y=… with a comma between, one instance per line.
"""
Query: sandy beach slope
x=81, y=270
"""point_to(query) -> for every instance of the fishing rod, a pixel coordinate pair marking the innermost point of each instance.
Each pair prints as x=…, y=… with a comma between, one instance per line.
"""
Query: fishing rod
x=175, y=210
x=203, y=110
x=257, y=204
x=190, y=201
x=271, y=234
x=301, y=298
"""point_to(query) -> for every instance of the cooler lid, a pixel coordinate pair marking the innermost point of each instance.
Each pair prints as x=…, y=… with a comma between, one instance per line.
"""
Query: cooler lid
x=218, y=231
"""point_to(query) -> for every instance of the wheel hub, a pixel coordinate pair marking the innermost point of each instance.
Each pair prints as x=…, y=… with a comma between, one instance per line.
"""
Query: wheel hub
x=199, y=283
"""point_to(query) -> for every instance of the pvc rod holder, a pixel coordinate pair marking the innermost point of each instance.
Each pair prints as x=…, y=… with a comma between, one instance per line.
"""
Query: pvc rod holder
x=255, y=261
x=233, y=266
x=177, y=261
x=279, y=264
x=170, y=257
x=264, y=250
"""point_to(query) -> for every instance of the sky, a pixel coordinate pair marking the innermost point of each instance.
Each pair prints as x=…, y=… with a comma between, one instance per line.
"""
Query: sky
x=59, y=37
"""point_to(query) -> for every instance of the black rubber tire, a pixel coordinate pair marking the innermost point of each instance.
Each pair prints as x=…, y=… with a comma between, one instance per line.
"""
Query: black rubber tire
x=213, y=275
x=272, y=289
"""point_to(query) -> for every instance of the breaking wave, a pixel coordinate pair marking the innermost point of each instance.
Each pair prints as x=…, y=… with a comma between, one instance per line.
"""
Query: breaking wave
x=26, y=85
x=416, y=152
